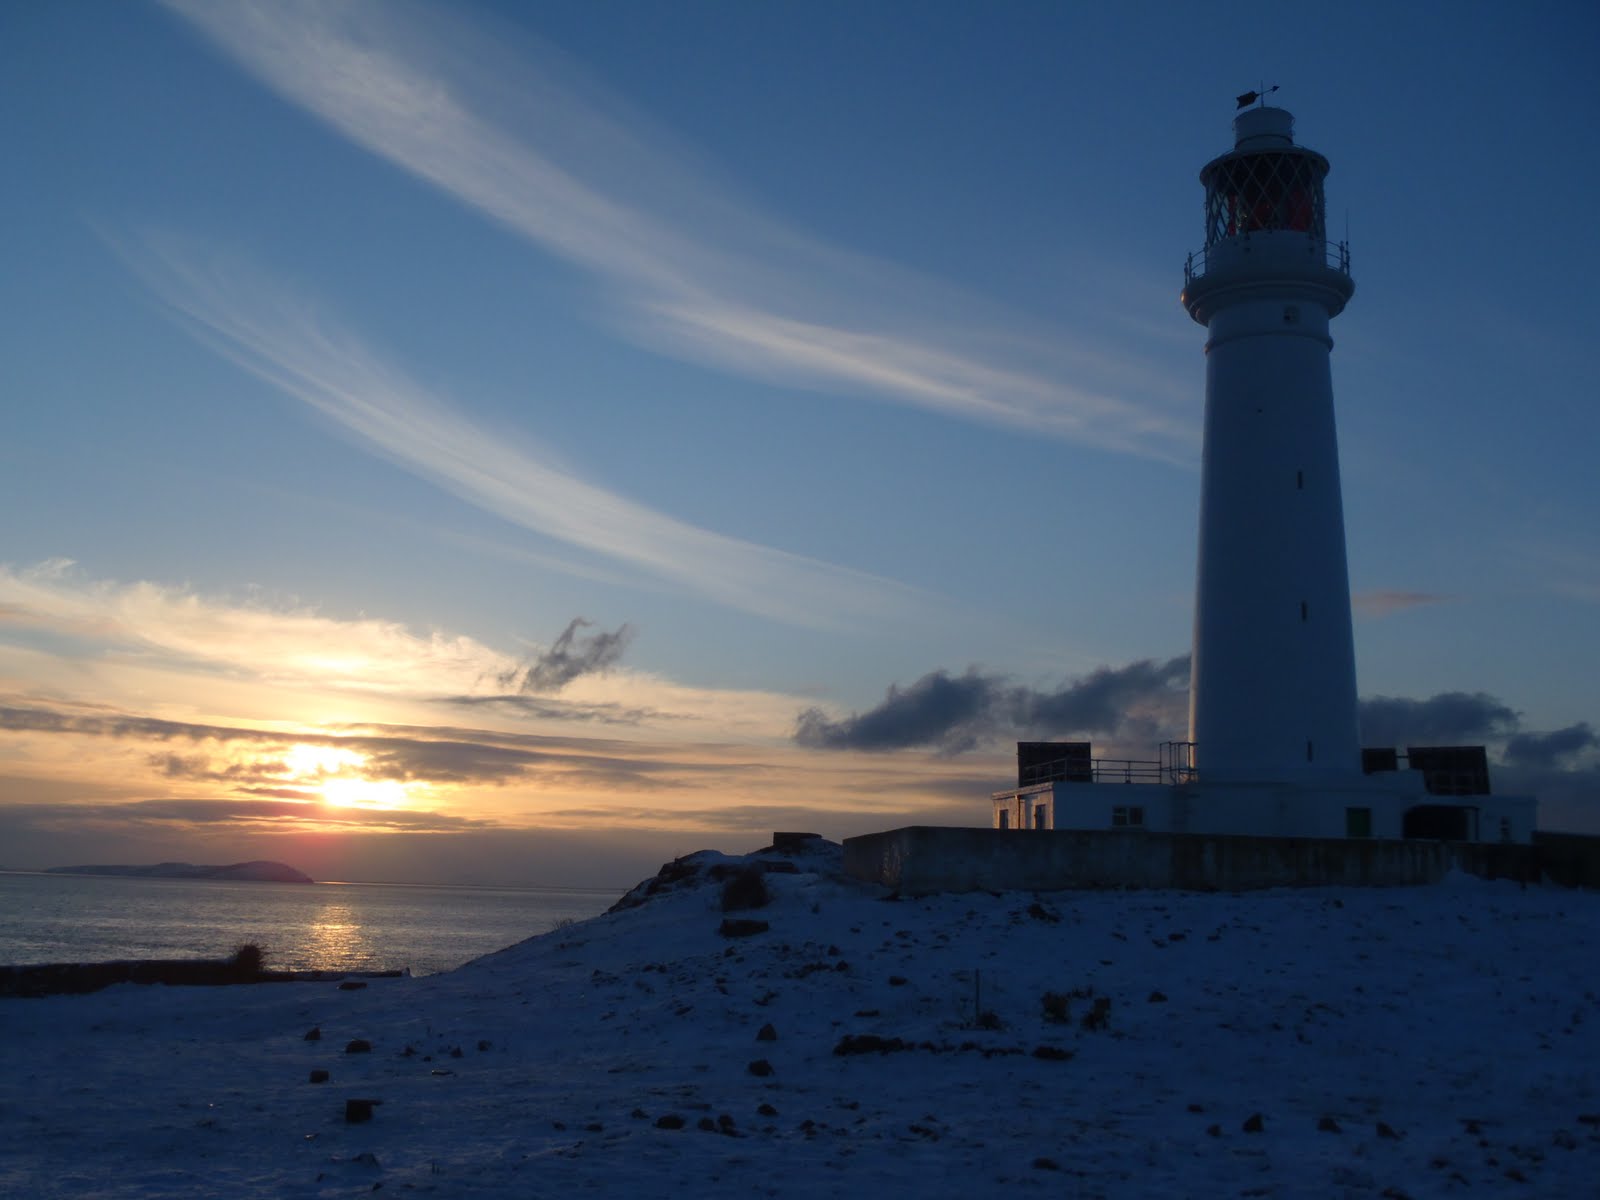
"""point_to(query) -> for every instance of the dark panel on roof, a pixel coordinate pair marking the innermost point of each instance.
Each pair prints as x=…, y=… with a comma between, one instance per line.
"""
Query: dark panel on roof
x=1451, y=770
x=1379, y=758
x=1048, y=762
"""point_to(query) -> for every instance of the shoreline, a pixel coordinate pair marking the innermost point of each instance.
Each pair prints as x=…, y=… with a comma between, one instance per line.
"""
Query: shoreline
x=31, y=981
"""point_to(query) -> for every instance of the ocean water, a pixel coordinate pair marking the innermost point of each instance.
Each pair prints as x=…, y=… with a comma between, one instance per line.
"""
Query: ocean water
x=321, y=926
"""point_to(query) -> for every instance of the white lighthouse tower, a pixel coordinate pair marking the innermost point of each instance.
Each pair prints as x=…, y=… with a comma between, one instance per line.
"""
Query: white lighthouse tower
x=1274, y=747
x=1273, y=687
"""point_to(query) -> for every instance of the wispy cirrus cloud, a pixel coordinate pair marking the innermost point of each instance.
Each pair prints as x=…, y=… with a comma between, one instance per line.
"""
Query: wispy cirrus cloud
x=501, y=124
x=270, y=330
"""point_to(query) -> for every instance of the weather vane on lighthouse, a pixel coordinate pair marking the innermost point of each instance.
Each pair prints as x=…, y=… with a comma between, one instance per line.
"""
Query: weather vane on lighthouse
x=1246, y=99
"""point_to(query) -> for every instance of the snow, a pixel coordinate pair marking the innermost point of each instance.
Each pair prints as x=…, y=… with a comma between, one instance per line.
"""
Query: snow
x=1447, y=1036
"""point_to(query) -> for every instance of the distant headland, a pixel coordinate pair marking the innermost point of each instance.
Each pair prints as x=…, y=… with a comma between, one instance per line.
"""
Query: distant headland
x=255, y=872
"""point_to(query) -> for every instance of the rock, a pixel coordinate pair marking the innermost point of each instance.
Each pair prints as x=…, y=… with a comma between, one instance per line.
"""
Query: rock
x=767, y=1033
x=484, y=1044
x=868, y=1043
x=760, y=1068
x=726, y=1123
x=1387, y=1131
x=1328, y=1125
x=1052, y=1053
x=1099, y=1014
x=733, y=927
x=358, y=1046
x=897, y=981
x=747, y=889
x=352, y=985
x=1158, y=998
x=367, y=1159
x=1255, y=1123
x=319, y=1076
x=669, y=1121
x=1214, y=1130
x=314, y=1034
x=766, y=1110
x=1046, y=1164
x=706, y=1125
x=356, y=1111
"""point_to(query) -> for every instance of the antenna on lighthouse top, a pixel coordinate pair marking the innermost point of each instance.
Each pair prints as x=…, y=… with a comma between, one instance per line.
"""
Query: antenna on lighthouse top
x=1248, y=98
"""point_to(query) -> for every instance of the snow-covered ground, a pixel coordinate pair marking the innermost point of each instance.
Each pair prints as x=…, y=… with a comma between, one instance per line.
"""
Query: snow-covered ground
x=1422, y=1042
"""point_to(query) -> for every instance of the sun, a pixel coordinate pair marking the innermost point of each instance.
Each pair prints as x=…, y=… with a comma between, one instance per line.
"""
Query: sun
x=306, y=762
x=347, y=792
x=337, y=773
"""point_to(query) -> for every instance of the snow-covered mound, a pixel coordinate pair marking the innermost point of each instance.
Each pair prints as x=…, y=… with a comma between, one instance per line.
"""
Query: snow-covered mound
x=1339, y=1042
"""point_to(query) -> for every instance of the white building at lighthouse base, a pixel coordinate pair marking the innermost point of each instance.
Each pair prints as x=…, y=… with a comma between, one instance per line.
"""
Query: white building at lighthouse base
x=1388, y=803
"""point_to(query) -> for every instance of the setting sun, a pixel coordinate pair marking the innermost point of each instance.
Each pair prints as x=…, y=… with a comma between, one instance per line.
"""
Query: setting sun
x=309, y=762
x=365, y=793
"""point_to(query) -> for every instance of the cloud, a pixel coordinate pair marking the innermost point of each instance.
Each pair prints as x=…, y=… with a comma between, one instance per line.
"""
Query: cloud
x=245, y=814
x=267, y=329
x=509, y=130
x=1447, y=719
x=957, y=713
x=1384, y=602
x=281, y=642
x=937, y=710
x=1548, y=749
x=433, y=756
x=569, y=657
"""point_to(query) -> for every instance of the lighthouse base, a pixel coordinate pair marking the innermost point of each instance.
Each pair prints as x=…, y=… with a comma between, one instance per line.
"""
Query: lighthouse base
x=1341, y=806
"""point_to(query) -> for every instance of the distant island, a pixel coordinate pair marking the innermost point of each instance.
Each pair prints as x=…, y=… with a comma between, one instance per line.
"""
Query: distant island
x=255, y=872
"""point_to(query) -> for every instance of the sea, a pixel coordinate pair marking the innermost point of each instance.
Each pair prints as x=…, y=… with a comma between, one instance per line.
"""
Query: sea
x=425, y=929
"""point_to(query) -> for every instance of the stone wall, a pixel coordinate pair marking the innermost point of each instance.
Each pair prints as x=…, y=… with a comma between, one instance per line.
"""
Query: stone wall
x=919, y=859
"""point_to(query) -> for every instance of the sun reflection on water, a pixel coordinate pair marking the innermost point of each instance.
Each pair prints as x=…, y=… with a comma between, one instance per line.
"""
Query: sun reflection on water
x=335, y=939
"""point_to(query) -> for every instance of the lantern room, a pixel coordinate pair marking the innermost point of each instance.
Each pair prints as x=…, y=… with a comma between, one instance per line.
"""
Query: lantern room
x=1266, y=183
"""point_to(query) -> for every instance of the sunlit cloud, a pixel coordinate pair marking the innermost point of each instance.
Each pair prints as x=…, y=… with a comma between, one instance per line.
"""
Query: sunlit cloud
x=505, y=127
x=283, y=642
x=174, y=653
x=271, y=331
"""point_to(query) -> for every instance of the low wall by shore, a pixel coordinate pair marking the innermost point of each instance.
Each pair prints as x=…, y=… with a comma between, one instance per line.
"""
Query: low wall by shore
x=920, y=859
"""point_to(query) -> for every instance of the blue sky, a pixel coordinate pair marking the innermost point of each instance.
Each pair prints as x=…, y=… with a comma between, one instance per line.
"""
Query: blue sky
x=354, y=351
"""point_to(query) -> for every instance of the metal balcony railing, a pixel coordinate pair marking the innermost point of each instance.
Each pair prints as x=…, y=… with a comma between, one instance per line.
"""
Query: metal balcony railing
x=1335, y=255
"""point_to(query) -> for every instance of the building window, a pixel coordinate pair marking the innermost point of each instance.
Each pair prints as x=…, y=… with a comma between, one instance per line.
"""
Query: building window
x=1358, y=822
x=1123, y=817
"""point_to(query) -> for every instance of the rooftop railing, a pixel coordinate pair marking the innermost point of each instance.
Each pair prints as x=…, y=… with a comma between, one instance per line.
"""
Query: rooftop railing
x=1335, y=256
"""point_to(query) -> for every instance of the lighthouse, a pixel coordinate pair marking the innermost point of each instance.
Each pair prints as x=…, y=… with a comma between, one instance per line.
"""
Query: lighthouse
x=1274, y=747
x=1273, y=682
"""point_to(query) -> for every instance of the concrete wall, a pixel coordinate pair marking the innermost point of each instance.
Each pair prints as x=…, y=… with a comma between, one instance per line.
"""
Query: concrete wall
x=1571, y=859
x=920, y=859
